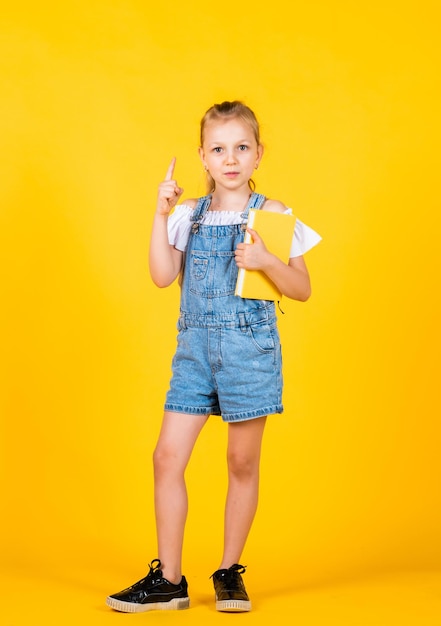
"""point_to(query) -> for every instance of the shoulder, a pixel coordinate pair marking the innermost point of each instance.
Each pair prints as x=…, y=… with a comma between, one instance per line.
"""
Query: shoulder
x=190, y=202
x=275, y=206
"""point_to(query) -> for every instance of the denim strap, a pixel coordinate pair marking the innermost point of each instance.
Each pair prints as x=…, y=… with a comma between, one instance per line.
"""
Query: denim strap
x=255, y=202
x=199, y=211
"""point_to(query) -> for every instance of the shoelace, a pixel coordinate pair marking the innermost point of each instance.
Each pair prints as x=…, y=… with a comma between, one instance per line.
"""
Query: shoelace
x=155, y=570
x=231, y=577
x=155, y=573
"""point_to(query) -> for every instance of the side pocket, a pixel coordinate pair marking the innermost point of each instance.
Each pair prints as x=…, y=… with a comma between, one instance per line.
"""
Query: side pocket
x=264, y=336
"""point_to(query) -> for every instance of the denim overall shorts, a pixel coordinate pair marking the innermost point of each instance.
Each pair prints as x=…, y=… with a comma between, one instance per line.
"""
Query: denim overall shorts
x=228, y=358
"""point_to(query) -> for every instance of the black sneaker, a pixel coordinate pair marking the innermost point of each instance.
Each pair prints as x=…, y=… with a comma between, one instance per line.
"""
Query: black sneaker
x=152, y=592
x=230, y=591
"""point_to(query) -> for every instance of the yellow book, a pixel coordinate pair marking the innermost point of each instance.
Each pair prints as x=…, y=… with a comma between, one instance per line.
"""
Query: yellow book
x=276, y=231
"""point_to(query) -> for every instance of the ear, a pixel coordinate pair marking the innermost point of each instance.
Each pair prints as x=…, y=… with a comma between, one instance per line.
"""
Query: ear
x=202, y=157
x=259, y=154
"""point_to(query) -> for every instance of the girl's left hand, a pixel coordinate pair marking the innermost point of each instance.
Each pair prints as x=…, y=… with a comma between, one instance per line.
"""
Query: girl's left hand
x=252, y=256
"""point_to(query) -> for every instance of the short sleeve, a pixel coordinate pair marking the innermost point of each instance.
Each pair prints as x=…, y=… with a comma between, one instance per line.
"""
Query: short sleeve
x=178, y=226
x=304, y=238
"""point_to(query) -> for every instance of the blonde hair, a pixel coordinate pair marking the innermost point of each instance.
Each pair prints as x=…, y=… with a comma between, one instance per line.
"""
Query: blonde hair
x=229, y=110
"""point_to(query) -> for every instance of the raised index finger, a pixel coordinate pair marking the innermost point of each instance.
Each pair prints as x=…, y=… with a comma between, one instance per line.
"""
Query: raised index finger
x=171, y=169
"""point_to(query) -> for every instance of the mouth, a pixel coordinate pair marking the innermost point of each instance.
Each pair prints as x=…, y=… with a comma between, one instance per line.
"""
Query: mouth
x=231, y=174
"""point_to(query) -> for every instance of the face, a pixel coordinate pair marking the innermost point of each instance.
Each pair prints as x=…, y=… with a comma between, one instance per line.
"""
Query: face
x=230, y=152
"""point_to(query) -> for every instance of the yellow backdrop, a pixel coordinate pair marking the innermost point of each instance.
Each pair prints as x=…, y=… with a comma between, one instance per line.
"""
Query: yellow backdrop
x=96, y=98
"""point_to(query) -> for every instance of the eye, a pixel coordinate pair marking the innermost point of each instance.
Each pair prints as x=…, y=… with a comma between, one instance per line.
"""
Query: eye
x=243, y=147
x=217, y=149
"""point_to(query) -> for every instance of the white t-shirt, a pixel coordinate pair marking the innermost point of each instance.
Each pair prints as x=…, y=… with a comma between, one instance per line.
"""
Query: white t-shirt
x=179, y=226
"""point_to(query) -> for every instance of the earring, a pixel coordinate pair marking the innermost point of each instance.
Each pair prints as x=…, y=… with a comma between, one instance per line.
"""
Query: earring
x=256, y=167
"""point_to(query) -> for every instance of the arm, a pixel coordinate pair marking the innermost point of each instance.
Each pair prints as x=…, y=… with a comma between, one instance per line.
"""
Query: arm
x=165, y=261
x=292, y=279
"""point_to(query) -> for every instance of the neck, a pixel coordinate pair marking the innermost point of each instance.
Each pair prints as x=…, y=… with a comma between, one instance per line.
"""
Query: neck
x=224, y=200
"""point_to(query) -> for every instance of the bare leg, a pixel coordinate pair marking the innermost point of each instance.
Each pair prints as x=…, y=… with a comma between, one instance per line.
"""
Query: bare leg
x=244, y=446
x=178, y=435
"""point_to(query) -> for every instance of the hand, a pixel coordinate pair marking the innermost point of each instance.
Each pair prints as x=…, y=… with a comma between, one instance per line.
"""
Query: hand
x=252, y=256
x=169, y=192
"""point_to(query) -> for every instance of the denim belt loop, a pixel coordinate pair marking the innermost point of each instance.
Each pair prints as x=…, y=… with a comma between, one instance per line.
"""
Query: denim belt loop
x=182, y=322
x=242, y=322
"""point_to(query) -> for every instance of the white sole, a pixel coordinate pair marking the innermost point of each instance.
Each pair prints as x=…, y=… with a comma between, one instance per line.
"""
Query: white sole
x=176, y=604
x=233, y=606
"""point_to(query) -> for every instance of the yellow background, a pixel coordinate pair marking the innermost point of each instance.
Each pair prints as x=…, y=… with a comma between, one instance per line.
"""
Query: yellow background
x=96, y=97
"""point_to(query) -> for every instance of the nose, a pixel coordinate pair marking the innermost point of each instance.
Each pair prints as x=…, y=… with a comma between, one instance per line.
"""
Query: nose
x=230, y=157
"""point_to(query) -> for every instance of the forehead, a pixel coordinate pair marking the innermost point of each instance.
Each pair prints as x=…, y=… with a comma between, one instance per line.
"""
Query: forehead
x=230, y=129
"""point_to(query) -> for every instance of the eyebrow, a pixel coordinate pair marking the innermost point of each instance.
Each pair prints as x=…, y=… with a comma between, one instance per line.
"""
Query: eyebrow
x=220, y=143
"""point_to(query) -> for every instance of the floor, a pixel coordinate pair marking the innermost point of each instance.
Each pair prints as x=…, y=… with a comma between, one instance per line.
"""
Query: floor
x=78, y=598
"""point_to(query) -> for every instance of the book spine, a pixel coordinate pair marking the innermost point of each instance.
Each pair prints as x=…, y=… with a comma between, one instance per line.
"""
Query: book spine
x=246, y=239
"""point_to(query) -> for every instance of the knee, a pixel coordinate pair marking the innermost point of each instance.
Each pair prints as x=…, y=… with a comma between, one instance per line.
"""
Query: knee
x=164, y=461
x=242, y=467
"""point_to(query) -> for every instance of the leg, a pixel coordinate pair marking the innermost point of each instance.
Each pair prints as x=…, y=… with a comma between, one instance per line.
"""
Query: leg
x=164, y=587
x=178, y=435
x=244, y=446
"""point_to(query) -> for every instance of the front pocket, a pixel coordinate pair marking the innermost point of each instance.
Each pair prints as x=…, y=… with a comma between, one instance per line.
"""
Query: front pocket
x=199, y=266
x=212, y=274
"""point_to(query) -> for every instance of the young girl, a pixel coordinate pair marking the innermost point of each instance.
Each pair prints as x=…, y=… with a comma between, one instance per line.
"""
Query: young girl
x=228, y=359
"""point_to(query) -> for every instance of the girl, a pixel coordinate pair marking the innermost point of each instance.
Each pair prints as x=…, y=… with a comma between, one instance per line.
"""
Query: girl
x=228, y=359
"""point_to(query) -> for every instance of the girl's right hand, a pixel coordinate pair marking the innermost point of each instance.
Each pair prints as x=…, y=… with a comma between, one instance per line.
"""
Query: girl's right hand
x=169, y=192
